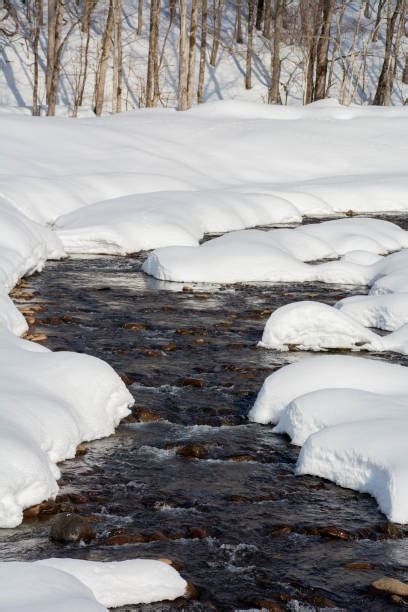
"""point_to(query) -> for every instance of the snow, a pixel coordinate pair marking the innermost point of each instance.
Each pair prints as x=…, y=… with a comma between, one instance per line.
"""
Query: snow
x=141, y=222
x=317, y=410
x=369, y=456
x=351, y=416
x=314, y=326
x=63, y=585
x=325, y=372
x=388, y=311
x=50, y=403
x=279, y=255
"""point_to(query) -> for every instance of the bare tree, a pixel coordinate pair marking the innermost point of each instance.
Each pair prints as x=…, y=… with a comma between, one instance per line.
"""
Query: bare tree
x=203, y=52
x=139, y=17
x=152, y=84
x=250, y=44
x=38, y=8
x=103, y=62
x=192, y=52
x=323, y=49
x=238, y=22
x=118, y=57
x=217, y=24
x=259, y=14
x=183, y=58
x=385, y=82
x=274, y=95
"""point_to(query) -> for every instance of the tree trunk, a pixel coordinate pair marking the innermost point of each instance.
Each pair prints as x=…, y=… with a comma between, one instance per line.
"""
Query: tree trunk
x=405, y=72
x=367, y=9
x=323, y=50
x=274, y=95
x=86, y=18
x=259, y=14
x=57, y=49
x=183, y=58
x=238, y=26
x=203, y=52
x=51, y=22
x=118, y=57
x=385, y=82
x=381, y=4
x=216, y=32
x=152, y=85
x=38, y=17
x=103, y=62
x=192, y=52
x=250, y=44
x=139, y=17
x=267, y=19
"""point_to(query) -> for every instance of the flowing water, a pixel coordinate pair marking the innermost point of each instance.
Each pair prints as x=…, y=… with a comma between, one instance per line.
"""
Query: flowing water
x=238, y=524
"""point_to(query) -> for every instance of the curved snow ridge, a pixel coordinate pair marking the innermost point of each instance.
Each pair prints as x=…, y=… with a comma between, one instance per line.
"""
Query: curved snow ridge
x=351, y=416
x=386, y=311
x=168, y=218
x=64, y=585
x=280, y=255
x=50, y=403
x=324, y=372
x=313, y=326
x=369, y=456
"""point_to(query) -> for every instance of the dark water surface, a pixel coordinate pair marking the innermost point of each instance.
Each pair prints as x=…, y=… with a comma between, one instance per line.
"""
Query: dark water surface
x=237, y=522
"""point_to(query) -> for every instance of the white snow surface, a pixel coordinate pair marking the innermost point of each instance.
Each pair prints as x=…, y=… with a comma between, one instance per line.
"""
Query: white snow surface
x=281, y=255
x=64, y=585
x=369, y=456
x=50, y=402
x=351, y=416
x=313, y=326
x=387, y=311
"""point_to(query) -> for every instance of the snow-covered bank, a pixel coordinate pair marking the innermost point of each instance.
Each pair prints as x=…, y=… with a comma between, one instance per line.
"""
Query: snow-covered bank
x=351, y=414
x=281, y=255
x=260, y=164
x=64, y=585
x=312, y=326
x=50, y=402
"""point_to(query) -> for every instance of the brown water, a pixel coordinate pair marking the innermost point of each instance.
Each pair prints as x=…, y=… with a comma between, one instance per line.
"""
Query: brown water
x=238, y=523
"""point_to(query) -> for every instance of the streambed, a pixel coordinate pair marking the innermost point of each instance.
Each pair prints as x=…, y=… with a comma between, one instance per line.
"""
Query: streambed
x=242, y=528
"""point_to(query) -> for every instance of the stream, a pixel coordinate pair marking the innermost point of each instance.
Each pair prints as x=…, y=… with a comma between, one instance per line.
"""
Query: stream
x=186, y=477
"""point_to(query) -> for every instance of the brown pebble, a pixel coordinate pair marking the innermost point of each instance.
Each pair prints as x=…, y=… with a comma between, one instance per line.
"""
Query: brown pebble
x=126, y=378
x=271, y=606
x=187, y=289
x=124, y=538
x=169, y=348
x=36, y=337
x=144, y=415
x=134, y=326
x=334, y=533
x=32, y=512
x=359, y=565
x=69, y=527
x=390, y=586
x=81, y=450
x=281, y=531
x=197, y=533
x=192, y=450
x=193, y=382
x=191, y=591
x=151, y=353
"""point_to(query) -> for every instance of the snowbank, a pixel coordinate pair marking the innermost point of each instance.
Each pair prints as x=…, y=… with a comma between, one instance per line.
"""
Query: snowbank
x=313, y=326
x=325, y=372
x=321, y=161
x=64, y=585
x=142, y=222
x=369, y=456
x=317, y=410
x=351, y=415
x=280, y=255
x=388, y=312
x=50, y=402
